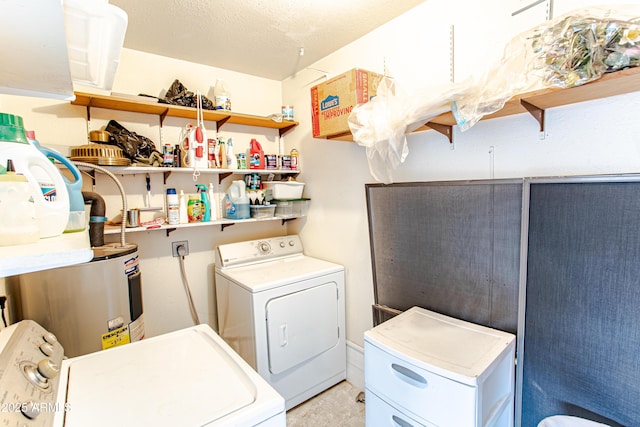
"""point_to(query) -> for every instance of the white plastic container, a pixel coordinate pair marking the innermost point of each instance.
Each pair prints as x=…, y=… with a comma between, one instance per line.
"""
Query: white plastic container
x=433, y=369
x=284, y=189
x=237, y=201
x=262, y=211
x=18, y=223
x=53, y=215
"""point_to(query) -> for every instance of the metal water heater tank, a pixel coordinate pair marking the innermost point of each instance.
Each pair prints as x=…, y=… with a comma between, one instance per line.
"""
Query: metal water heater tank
x=90, y=306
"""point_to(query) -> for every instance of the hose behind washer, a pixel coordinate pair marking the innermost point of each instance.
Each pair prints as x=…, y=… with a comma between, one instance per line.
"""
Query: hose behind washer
x=185, y=282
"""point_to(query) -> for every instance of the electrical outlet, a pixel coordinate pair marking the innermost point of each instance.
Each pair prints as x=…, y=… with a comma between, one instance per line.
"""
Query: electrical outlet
x=176, y=245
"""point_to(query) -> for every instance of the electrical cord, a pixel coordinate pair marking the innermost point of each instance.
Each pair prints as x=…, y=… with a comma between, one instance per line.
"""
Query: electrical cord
x=194, y=315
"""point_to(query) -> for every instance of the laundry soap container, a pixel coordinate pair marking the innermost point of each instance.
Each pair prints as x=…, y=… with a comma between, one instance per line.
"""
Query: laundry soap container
x=236, y=202
x=18, y=223
x=52, y=211
x=77, y=215
x=424, y=368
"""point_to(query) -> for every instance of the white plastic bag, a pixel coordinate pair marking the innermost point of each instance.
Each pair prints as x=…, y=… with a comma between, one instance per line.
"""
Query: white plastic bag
x=381, y=124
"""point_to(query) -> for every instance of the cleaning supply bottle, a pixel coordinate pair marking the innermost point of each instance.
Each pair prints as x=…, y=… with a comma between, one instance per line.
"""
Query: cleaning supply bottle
x=232, y=162
x=173, y=207
x=294, y=159
x=18, y=222
x=52, y=215
x=222, y=154
x=237, y=201
x=212, y=202
x=256, y=155
x=77, y=214
x=182, y=208
x=194, y=208
x=204, y=200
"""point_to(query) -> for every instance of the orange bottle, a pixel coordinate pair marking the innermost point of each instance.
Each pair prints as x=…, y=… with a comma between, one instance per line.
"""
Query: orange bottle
x=256, y=155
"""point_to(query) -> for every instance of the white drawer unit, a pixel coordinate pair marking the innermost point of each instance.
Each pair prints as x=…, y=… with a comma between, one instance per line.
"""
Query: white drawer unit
x=426, y=369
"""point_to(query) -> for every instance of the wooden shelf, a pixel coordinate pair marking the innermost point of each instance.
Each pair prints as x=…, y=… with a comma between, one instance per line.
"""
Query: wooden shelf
x=132, y=170
x=611, y=84
x=147, y=105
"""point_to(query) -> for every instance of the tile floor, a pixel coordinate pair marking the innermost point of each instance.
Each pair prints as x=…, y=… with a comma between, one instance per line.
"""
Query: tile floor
x=336, y=406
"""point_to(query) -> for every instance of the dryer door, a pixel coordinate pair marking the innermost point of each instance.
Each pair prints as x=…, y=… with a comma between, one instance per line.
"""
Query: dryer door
x=301, y=325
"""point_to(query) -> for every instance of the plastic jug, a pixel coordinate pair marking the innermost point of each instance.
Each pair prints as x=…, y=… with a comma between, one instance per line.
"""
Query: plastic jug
x=18, y=222
x=52, y=215
x=256, y=155
x=237, y=202
x=77, y=219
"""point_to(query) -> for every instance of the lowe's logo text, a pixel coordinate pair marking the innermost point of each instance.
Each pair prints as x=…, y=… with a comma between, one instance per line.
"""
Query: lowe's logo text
x=329, y=102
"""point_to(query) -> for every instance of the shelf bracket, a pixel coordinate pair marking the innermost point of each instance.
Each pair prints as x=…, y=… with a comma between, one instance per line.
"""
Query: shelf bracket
x=222, y=176
x=285, y=220
x=446, y=130
x=286, y=129
x=170, y=230
x=166, y=175
x=536, y=112
x=92, y=174
x=223, y=226
x=163, y=116
x=221, y=122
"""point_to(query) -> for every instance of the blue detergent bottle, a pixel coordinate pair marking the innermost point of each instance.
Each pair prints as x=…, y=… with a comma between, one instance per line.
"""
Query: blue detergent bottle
x=206, y=206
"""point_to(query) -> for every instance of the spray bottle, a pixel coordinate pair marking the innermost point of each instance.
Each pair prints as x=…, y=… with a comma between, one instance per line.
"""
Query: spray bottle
x=232, y=162
x=204, y=199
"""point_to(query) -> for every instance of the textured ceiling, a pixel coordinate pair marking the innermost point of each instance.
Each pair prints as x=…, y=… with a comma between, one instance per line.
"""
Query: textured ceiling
x=257, y=37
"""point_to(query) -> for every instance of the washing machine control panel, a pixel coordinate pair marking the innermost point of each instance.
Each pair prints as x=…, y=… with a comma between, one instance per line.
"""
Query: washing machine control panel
x=243, y=253
x=30, y=360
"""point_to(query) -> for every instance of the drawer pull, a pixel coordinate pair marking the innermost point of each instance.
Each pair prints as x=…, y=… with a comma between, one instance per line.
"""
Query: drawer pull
x=408, y=376
x=400, y=422
x=284, y=336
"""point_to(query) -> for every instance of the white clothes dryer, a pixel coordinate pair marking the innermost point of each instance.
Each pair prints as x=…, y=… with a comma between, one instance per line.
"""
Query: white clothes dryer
x=187, y=378
x=283, y=312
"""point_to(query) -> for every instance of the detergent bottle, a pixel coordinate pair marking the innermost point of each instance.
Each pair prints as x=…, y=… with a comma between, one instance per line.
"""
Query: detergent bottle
x=77, y=214
x=232, y=162
x=52, y=214
x=236, y=201
x=18, y=222
x=256, y=155
x=204, y=200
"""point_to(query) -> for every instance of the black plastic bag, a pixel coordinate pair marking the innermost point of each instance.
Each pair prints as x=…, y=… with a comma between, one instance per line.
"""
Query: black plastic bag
x=136, y=147
x=179, y=95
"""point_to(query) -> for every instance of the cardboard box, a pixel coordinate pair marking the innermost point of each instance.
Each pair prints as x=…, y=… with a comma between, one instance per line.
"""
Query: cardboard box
x=333, y=100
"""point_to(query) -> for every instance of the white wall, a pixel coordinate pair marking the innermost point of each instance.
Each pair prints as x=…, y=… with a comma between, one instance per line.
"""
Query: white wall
x=596, y=137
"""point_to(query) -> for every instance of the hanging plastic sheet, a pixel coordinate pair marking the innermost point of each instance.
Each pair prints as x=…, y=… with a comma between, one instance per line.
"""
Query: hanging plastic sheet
x=381, y=124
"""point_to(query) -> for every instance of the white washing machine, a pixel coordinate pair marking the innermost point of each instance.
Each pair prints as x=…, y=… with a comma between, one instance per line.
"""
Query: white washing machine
x=185, y=378
x=283, y=312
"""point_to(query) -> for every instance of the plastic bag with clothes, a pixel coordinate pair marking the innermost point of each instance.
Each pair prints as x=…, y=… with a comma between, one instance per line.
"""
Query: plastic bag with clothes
x=571, y=50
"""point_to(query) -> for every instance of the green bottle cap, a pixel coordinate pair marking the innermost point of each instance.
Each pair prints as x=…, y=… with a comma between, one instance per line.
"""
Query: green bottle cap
x=12, y=129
